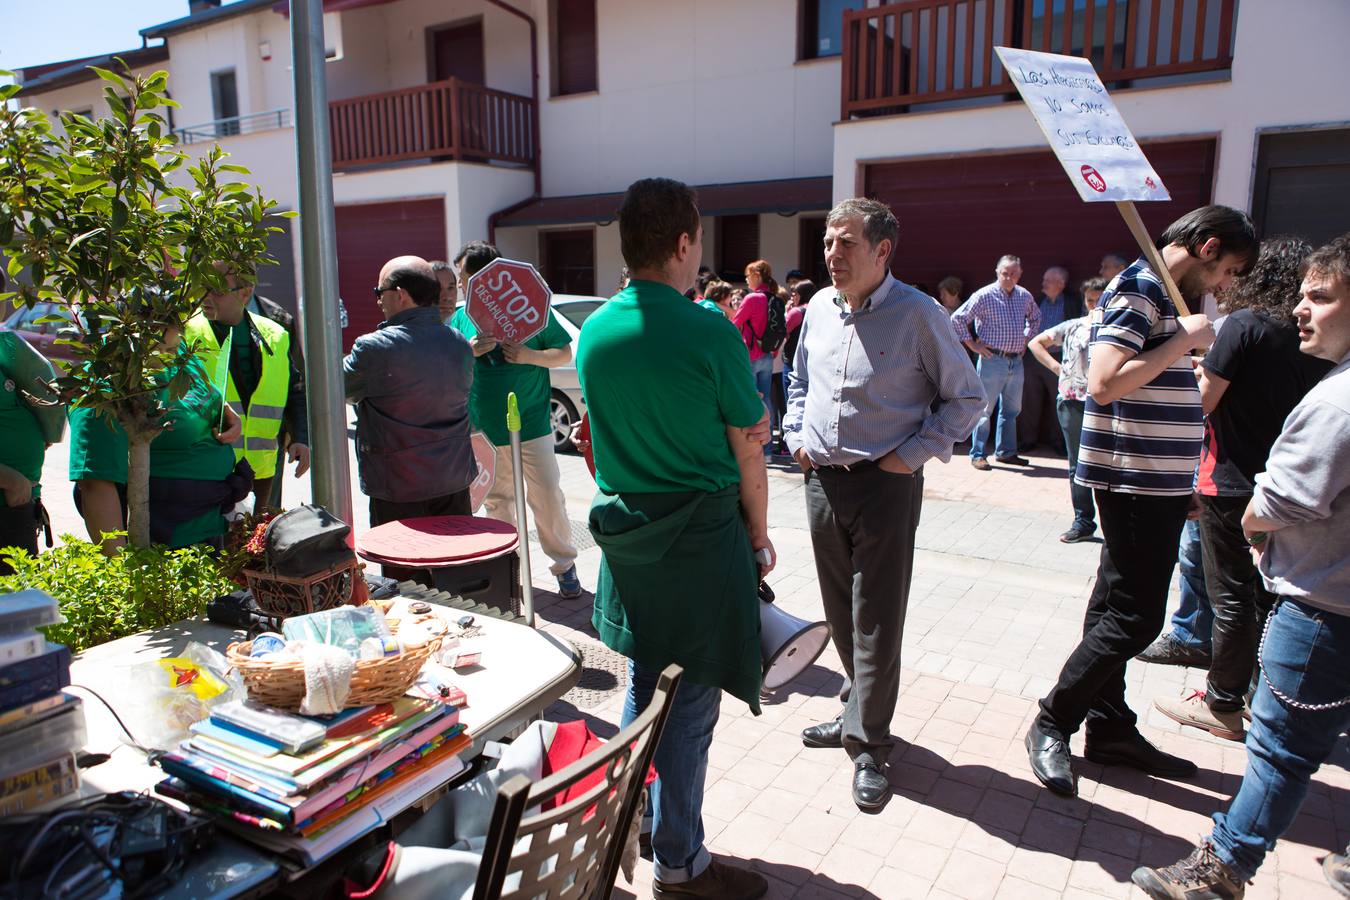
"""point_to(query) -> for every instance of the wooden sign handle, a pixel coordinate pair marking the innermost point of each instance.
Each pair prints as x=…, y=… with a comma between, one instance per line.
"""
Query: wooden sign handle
x=1141, y=235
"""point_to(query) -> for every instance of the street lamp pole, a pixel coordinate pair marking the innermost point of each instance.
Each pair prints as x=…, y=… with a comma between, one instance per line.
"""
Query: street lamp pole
x=331, y=478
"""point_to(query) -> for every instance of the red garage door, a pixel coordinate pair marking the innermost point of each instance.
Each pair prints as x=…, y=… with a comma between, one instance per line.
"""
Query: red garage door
x=371, y=234
x=958, y=216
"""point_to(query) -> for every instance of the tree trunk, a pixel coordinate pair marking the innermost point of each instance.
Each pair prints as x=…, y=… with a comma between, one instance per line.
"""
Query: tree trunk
x=138, y=488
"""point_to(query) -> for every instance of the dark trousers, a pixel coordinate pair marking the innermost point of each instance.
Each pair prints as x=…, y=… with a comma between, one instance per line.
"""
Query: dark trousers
x=1238, y=597
x=862, y=525
x=1037, y=423
x=1070, y=414
x=18, y=528
x=381, y=511
x=1129, y=602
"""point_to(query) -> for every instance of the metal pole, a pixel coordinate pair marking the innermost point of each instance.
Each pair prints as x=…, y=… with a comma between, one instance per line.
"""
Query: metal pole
x=522, y=523
x=331, y=476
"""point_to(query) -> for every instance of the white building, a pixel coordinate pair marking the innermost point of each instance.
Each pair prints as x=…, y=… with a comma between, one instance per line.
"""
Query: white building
x=447, y=128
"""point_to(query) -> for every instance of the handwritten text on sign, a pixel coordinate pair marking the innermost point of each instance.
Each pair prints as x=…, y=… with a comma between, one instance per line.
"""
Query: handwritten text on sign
x=508, y=300
x=1083, y=126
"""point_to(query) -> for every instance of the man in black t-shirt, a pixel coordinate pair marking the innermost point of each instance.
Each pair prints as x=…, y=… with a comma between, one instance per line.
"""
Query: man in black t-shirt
x=1250, y=379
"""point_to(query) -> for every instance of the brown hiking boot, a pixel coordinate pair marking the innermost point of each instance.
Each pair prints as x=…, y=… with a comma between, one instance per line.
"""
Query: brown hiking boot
x=1200, y=876
x=719, y=881
x=1195, y=712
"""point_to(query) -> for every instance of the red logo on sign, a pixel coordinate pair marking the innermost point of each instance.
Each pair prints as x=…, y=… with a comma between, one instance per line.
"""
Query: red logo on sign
x=184, y=676
x=1094, y=179
x=1150, y=183
x=508, y=300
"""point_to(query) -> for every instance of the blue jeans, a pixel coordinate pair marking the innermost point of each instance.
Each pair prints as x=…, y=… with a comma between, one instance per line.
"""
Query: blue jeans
x=681, y=768
x=763, y=371
x=1002, y=381
x=1304, y=659
x=1070, y=414
x=1193, y=622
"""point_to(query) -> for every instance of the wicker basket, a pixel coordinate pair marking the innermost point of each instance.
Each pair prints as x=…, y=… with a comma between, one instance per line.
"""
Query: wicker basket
x=282, y=683
x=280, y=596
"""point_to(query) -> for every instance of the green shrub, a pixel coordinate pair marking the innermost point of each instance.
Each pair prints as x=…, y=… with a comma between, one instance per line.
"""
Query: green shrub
x=105, y=598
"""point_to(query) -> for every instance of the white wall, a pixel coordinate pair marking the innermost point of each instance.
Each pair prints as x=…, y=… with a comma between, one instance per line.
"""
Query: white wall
x=704, y=91
x=1290, y=69
x=82, y=96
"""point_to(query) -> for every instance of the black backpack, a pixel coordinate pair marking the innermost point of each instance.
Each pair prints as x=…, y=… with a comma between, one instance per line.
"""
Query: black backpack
x=775, y=327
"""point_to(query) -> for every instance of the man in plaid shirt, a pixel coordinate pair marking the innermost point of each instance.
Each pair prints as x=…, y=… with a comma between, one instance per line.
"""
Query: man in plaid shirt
x=996, y=323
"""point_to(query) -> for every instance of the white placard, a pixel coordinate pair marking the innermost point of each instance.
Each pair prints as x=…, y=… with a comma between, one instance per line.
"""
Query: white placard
x=1084, y=128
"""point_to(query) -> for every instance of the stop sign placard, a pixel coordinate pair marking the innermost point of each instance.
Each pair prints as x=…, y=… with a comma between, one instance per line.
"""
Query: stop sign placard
x=508, y=300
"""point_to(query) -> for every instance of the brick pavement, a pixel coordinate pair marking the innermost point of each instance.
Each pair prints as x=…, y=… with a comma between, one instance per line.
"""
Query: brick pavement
x=997, y=604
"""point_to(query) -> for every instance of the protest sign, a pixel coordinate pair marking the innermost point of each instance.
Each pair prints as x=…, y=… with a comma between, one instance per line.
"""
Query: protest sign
x=508, y=300
x=1089, y=136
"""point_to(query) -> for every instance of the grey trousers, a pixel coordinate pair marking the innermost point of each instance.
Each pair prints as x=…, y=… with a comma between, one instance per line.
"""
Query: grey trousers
x=862, y=523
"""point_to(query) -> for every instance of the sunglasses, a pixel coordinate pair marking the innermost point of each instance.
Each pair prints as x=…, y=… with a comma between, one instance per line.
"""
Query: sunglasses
x=381, y=291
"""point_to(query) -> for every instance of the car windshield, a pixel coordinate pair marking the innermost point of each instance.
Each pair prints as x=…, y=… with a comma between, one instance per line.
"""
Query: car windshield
x=23, y=318
x=577, y=311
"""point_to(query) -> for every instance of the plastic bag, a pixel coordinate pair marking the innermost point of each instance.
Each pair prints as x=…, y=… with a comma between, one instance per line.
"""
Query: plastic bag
x=166, y=696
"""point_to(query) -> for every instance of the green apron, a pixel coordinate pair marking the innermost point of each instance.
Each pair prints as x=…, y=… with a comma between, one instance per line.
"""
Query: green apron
x=678, y=584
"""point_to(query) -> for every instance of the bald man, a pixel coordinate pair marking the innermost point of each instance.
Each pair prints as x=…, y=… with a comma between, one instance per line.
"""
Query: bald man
x=409, y=380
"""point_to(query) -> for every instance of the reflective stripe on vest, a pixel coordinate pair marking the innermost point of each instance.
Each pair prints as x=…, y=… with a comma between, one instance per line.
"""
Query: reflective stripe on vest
x=257, y=441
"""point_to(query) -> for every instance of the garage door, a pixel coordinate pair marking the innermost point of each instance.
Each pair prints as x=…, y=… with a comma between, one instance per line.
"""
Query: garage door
x=371, y=234
x=1302, y=182
x=958, y=216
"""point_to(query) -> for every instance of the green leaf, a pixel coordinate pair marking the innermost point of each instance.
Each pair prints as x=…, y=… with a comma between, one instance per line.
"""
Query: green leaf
x=84, y=237
x=110, y=77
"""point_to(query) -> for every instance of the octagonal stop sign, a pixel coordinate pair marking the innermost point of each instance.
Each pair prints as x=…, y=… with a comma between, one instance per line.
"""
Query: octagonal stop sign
x=508, y=300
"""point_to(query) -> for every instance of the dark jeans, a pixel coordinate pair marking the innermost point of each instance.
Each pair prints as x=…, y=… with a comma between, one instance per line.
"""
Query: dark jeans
x=1070, y=414
x=18, y=528
x=382, y=511
x=862, y=525
x=1037, y=422
x=1238, y=598
x=1129, y=603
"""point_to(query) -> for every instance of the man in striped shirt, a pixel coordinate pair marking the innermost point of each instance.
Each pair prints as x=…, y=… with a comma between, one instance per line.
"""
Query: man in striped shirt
x=1142, y=432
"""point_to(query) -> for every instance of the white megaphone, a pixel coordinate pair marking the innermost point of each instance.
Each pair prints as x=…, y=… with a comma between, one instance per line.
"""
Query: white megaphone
x=788, y=645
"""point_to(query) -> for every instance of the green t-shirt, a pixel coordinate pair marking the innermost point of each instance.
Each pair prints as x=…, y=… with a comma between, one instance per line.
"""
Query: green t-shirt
x=98, y=447
x=709, y=305
x=21, y=447
x=494, y=378
x=662, y=380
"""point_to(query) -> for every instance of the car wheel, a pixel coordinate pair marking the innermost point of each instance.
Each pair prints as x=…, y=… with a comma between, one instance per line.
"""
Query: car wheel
x=563, y=417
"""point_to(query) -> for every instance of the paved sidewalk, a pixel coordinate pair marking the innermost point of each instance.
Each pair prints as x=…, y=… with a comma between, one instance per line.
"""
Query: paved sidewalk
x=997, y=604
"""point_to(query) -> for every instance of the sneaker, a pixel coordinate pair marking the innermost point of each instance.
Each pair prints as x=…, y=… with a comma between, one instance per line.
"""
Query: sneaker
x=1336, y=867
x=1200, y=876
x=1075, y=535
x=1195, y=712
x=1012, y=460
x=1168, y=651
x=980, y=463
x=719, y=880
x=569, y=585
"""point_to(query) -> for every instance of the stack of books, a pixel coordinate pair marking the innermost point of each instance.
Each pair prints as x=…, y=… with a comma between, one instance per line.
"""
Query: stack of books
x=41, y=727
x=306, y=791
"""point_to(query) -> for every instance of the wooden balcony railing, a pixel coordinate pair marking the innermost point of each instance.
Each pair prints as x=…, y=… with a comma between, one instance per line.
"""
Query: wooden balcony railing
x=922, y=51
x=450, y=120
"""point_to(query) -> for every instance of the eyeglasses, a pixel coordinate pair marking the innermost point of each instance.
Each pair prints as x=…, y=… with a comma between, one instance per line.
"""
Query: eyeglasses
x=381, y=291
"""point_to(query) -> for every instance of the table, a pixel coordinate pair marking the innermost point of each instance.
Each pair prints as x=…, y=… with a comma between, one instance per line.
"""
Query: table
x=522, y=672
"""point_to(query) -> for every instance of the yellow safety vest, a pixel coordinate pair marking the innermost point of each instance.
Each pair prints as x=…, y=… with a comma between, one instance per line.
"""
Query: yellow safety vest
x=257, y=441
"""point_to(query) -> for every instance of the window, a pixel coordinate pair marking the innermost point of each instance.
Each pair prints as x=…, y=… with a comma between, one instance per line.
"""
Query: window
x=574, y=47
x=737, y=245
x=569, y=260
x=822, y=26
x=225, y=102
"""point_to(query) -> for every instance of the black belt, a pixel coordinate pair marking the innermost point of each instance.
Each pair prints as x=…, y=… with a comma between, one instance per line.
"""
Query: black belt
x=853, y=467
x=1005, y=354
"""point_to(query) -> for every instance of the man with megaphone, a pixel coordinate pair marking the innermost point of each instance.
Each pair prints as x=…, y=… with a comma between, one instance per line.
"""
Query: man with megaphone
x=879, y=386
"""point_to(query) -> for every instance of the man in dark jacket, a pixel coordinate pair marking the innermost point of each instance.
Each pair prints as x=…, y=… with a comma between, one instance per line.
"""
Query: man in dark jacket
x=410, y=383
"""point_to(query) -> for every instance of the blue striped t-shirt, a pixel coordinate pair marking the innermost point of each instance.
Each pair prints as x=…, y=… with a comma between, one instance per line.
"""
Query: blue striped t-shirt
x=1147, y=442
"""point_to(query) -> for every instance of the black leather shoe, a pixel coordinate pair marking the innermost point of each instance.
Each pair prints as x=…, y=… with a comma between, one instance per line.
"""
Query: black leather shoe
x=1050, y=762
x=1137, y=753
x=826, y=734
x=1012, y=460
x=870, y=787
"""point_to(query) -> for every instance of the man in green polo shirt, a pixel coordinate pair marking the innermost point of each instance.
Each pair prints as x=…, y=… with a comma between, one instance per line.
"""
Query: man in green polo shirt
x=23, y=446
x=677, y=431
x=522, y=368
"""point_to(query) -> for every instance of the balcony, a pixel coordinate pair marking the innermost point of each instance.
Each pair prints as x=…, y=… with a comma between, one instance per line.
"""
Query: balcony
x=941, y=52
x=250, y=124
x=444, y=120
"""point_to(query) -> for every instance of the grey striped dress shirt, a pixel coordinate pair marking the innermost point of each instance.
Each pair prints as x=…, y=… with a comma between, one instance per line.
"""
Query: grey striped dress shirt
x=864, y=383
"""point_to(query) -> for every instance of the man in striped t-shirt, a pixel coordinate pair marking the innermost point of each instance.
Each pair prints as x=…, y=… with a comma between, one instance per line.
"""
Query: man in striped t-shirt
x=1142, y=432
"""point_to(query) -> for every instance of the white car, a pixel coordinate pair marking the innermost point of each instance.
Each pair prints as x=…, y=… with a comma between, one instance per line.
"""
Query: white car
x=566, y=407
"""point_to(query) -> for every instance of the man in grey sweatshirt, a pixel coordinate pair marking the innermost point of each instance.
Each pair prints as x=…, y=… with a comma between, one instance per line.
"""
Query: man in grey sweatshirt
x=1298, y=523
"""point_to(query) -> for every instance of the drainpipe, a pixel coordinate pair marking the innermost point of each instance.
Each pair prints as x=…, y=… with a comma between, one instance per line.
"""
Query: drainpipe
x=534, y=121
